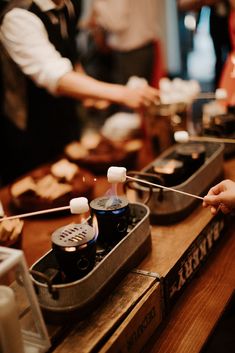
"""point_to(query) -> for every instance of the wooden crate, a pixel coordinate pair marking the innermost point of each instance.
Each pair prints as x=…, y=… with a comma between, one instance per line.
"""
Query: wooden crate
x=181, y=249
x=123, y=323
x=135, y=330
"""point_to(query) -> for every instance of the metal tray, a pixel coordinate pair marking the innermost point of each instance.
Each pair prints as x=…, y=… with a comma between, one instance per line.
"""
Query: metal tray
x=86, y=292
x=171, y=206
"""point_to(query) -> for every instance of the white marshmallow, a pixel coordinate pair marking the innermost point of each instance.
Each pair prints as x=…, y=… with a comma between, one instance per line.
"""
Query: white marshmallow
x=178, y=84
x=221, y=93
x=116, y=174
x=137, y=82
x=165, y=85
x=181, y=136
x=194, y=87
x=79, y=205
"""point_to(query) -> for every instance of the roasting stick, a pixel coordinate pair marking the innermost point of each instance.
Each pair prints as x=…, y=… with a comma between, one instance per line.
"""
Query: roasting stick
x=80, y=204
x=211, y=139
x=76, y=206
x=183, y=136
x=219, y=94
x=118, y=175
x=163, y=187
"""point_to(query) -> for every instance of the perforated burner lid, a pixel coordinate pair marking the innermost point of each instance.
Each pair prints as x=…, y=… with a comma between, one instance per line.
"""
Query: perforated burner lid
x=109, y=203
x=73, y=235
x=191, y=149
x=167, y=166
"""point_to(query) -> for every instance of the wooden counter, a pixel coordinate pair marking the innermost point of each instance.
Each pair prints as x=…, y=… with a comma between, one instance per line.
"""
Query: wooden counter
x=193, y=318
x=188, y=323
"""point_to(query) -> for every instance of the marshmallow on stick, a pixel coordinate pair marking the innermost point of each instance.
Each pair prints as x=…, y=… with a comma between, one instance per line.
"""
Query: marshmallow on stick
x=77, y=205
x=183, y=137
x=219, y=94
x=118, y=175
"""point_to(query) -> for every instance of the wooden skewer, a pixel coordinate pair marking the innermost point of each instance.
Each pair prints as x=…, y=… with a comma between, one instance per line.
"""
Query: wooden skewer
x=50, y=210
x=205, y=95
x=164, y=187
x=211, y=95
x=211, y=139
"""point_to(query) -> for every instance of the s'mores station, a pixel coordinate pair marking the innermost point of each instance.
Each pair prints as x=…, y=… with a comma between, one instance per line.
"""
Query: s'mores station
x=108, y=249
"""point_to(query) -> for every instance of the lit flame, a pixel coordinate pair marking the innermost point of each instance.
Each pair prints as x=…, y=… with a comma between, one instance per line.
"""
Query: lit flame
x=112, y=193
x=95, y=226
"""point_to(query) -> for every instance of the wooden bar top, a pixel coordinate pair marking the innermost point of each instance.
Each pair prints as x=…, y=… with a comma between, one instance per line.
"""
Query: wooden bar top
x=192, y=319
x=199, y=308
x=197, y=311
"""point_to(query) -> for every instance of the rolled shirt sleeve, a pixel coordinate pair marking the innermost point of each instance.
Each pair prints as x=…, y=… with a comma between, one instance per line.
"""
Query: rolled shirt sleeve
x=26, y=40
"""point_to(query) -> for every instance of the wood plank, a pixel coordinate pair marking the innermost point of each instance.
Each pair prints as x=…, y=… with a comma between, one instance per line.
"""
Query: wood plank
x=193, y=318
x=170, y=242
x=91, y=333
x=132, y=335
x=197, y=311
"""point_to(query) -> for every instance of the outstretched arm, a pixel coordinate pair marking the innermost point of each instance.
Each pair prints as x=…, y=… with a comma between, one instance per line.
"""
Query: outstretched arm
x=81, y=86
x=26, y=41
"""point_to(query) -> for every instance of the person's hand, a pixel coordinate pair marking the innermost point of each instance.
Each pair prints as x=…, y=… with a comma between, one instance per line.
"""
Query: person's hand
x=141, y=97
x=221, y=196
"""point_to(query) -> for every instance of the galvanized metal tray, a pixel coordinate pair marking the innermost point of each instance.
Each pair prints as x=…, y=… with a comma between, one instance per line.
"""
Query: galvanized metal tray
x=170, y=207
x=81, y=295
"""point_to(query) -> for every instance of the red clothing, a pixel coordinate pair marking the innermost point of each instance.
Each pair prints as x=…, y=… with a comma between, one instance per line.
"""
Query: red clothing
x=228, y=75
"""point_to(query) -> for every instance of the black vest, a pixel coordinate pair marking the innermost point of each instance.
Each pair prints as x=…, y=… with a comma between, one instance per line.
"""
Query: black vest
x=51, y=122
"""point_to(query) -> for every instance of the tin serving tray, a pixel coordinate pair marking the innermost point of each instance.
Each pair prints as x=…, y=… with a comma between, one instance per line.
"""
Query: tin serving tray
x=169, y=207
x=81, y=295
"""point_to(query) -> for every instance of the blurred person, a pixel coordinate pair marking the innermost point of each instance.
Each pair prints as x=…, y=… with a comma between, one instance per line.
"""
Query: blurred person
x=227, y=80
x=219, y=29
x=221, y=196
x=130, y=31
x=42, y=82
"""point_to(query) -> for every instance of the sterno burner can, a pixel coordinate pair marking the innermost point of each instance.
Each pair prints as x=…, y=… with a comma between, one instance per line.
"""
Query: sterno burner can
x=171, y=170
x=192, y=155
x=75, y=249
x=112, y=213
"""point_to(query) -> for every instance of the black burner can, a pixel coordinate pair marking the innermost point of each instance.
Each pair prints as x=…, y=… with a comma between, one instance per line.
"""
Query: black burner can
x=112, y=215
x=192, y=155
x=225, y=124
x=75, y=249
x=171, y=170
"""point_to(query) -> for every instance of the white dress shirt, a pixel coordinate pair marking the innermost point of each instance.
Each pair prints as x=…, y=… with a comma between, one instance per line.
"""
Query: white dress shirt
x=129, y=23
x=25, y=38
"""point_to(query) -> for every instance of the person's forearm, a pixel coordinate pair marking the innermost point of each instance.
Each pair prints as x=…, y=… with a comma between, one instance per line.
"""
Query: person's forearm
x=80, y=86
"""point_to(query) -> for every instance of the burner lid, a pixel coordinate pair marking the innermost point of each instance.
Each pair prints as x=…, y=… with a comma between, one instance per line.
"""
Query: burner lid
x=191, y=149
x=109, y=203
x=73, y=235
x=167, y=166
